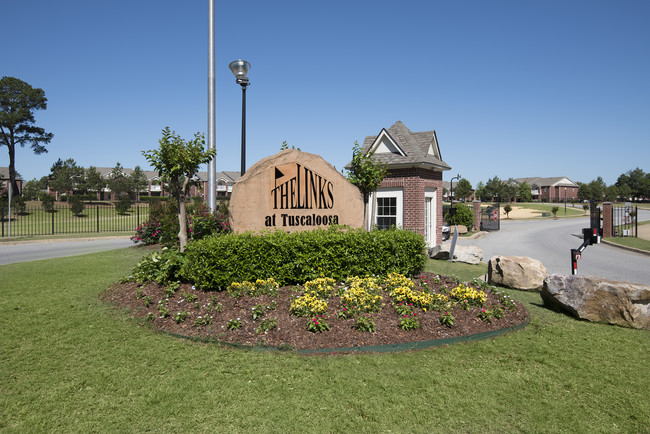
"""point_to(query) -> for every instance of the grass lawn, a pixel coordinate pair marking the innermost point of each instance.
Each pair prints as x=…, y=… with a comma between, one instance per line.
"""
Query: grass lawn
x=69, y=364
x=96, y=218
x=637, y=243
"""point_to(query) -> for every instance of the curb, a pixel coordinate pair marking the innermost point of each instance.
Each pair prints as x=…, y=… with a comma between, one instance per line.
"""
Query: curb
x=61, y=240
x=630, y=249
x=387, y=348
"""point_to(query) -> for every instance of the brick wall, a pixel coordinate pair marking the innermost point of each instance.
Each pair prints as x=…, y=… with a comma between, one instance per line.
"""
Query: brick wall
x=414, y=182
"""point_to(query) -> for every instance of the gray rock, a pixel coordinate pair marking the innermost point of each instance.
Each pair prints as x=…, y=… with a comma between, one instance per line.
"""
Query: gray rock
x=462, y=229
x=595, y=299
x=516, y=272
x=467, y=254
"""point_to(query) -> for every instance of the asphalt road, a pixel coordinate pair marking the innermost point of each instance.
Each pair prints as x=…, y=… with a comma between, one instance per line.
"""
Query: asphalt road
x=32, y=251
x=551, y=241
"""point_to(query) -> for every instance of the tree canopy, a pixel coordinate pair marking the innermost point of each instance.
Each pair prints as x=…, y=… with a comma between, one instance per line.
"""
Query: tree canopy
x=463, y=189
x=366, y=174
x=65, y=176
x=176, y=161
x=18, y=101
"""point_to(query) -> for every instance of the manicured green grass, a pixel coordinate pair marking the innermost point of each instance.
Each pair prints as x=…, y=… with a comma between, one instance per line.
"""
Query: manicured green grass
x=70, y=364
x=95, y=218
x=637, y=243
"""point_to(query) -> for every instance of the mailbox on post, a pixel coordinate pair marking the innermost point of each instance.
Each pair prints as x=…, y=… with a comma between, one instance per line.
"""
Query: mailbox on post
x=591, y=235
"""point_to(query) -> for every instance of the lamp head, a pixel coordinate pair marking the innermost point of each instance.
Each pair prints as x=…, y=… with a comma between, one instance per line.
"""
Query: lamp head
x=240, y=68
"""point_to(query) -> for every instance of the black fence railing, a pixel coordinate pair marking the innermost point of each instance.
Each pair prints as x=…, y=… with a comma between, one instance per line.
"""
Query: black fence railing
x=34, y=221
x=624, y=221
x=491, y=218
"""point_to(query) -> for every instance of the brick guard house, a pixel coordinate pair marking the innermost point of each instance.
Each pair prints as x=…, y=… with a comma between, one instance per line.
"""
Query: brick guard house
x=411, y=194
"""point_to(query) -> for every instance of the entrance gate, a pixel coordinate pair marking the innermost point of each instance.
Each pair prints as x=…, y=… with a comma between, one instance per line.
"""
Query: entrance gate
x=491, y=218
x=624, y=222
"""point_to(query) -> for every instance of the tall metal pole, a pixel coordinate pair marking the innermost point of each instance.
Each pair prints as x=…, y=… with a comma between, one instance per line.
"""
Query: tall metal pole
x=212, y=118
x=243, y=128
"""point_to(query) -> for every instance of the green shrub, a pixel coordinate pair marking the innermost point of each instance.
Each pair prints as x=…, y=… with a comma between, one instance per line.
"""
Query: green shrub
x=148, y=232
x=47, y=202
x=19, y=204
x=463, y=216
x=161, y=267
x=77, y=205
x=294, y=258
x=123, y=204
x=202, y=222
x=165, y=213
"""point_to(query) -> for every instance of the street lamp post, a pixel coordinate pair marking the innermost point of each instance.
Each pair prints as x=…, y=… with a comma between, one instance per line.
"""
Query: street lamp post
x=564, y=200
x=451, y=187
x=240, y=69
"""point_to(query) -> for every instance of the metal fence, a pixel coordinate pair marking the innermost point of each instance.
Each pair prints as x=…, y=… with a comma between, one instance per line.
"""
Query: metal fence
x=61, y=220
x=491, y=218
x=624, y=221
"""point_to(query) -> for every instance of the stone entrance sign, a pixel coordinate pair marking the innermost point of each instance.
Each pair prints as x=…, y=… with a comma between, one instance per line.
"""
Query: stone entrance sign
x=294, y=191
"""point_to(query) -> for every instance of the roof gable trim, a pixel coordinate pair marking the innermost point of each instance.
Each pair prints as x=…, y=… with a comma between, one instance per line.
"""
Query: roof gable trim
x=385, y=144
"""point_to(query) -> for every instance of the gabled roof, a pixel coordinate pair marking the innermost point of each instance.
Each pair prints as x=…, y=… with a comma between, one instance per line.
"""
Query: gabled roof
x=400, y=147
x=228, y=176
x=557, y=181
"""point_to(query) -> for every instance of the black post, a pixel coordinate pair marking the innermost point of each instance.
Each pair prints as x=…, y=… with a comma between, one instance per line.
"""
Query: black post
x=97, y=209
x=243, y=126
x=574, y=261
x=53, y=220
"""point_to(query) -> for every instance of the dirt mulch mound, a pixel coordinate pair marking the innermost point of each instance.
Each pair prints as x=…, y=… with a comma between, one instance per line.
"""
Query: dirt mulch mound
x=291, y=331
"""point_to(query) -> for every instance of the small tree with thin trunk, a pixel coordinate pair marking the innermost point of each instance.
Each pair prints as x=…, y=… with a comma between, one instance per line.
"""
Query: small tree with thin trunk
x=176, y=161
x=367, y=175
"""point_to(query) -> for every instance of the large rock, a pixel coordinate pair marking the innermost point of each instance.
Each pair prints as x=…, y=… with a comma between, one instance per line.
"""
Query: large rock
x=594, y=299
x=293, y=191
x=516, y=272
x=467, y=254
x=462, y=229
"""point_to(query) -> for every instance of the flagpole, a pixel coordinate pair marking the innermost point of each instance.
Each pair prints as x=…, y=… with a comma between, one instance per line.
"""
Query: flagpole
x=212, y=119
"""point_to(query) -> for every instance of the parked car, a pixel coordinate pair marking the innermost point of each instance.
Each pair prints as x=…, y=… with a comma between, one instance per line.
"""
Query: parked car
x=445, y=233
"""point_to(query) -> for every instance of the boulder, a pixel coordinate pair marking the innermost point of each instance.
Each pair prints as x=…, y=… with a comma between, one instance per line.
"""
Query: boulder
x=467, y=254
x=462, y=229
x=595, y=299
x=516, y=272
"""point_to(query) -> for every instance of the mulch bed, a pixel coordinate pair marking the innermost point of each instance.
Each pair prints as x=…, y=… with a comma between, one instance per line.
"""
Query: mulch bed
x=291, y=332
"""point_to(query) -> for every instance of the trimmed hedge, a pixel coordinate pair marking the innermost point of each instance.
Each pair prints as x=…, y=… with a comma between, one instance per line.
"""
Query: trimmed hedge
x=294, y=258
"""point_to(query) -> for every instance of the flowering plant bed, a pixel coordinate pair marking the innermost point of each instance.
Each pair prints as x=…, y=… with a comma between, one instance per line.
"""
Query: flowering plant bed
x=324, y=314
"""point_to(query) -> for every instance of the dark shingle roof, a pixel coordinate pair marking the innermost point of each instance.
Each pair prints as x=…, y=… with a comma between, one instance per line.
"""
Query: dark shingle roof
x=414, y=149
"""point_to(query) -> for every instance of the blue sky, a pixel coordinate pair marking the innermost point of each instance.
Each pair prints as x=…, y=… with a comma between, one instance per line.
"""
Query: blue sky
x=512, y=88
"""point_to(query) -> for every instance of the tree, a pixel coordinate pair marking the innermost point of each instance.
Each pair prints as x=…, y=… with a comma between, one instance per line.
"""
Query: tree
x=612, y=192
x=138, y=182
x=594, y=191
x=77, y=205
x=18, y=101
x=32, y=189
x=524, y=192
x=93, y=181
x=119, y=182
x=367, y=175
x=637, y=183
x=493, y=189
x=176, y=161
x=65, y=176
x=463, y=189
x=509, y=190
x=507, y=210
